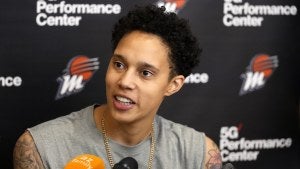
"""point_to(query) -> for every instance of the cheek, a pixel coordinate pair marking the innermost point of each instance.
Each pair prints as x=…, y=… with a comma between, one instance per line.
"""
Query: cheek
x=109, y=84
x=153, y=94
x=109, y=77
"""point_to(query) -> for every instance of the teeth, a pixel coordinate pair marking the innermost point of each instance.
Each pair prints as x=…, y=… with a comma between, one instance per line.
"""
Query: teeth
x=123, y=99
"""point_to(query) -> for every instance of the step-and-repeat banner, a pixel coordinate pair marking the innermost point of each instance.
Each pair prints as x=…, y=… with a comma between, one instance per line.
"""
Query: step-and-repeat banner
x=244, y=94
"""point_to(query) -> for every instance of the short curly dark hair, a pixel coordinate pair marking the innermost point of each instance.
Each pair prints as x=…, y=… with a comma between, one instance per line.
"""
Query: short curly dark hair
x=174, y=31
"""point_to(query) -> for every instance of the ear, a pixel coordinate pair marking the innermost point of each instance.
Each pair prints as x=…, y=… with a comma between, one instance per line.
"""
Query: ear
x=175, y=85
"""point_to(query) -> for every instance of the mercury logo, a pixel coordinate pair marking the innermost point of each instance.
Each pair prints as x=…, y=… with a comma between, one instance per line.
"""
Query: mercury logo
x=258, y=72
x=79, y=71
x=172, y=5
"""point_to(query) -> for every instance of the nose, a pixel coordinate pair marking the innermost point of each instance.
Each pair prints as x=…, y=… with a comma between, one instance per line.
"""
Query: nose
x=127, y=80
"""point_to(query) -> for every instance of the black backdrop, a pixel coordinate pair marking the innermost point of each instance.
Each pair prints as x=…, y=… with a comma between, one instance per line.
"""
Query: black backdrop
x=244, y=94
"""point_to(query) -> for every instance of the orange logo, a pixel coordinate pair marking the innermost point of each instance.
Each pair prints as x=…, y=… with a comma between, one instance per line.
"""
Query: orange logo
x=83, y=66
x=258, y=72
x=79, y=71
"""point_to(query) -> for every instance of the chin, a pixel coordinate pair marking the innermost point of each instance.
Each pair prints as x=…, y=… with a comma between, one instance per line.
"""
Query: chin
x=122, y=116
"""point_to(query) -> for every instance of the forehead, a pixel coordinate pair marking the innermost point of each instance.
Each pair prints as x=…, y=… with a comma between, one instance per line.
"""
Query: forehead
x=143, y=47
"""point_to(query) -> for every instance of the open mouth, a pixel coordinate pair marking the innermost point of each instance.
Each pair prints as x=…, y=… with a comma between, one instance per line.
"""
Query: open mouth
x=124, y=100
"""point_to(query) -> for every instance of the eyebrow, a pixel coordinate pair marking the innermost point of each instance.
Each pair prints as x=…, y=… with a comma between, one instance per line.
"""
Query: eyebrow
x=140, y=64
x=118, y=56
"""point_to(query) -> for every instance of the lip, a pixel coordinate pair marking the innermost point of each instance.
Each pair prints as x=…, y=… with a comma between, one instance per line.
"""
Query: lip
x=122, y=106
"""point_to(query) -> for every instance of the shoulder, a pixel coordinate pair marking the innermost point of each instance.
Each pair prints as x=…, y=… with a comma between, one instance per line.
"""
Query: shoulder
x=61, y=124
x=181, y=135
x=191, y=145
x=54, y=132
x=202, y=146
x=173, y=127
x=25, y=154
x=38, y=143
x=213, y=159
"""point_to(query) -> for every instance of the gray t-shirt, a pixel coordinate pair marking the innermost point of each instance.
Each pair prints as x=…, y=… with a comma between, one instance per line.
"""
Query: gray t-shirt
x=60, y=140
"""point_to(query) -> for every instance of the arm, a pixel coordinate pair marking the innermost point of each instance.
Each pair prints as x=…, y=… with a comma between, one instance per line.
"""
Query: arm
x=213, y=159
x=25, y=154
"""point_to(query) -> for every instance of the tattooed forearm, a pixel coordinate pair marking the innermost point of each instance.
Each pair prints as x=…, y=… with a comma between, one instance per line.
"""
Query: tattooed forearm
x=25, y=154
x=214, y=159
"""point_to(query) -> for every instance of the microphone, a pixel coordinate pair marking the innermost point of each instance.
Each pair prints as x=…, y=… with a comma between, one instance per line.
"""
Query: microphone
x=126, y=163
x=85, y=161
x=228, y=166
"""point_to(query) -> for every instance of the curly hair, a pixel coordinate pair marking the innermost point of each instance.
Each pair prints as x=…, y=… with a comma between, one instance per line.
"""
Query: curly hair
x=174, y=32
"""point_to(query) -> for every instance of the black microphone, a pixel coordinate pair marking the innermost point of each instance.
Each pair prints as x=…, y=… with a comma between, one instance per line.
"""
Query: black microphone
x=126, y=163
x=228, y=166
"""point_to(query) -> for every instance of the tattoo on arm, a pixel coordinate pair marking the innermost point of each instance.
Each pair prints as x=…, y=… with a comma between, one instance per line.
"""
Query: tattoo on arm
x=25, y=154
x=214, y=159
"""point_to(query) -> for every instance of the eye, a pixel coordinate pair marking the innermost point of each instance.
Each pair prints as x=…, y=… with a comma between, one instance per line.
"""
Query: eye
x=146, y=73
x=119, y=65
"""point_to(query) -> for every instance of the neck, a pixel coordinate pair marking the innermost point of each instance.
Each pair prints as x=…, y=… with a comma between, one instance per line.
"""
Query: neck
x=124, y=133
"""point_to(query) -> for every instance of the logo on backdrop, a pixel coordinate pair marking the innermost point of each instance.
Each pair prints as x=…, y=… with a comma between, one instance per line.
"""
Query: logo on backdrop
x=172, y=5
x=258, y=72
x=62, y=13
x=233, y=148
x=243, y=14
x=10, y=81
x=79, y=71
x=196, y=78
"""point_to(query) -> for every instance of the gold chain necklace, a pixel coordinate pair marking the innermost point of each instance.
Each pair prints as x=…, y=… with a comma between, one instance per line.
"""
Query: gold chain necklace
x=108, y=150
